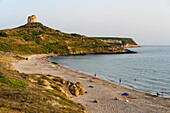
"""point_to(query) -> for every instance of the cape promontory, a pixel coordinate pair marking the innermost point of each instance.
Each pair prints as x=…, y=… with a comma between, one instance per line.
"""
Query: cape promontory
x=36, y=38
x=118, y=41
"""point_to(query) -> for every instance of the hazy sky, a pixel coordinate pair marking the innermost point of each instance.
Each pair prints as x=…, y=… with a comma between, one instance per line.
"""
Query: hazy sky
x=146, y=21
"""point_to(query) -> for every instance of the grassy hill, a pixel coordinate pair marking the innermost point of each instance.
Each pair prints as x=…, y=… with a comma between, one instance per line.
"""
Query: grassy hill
x=35, y=38
x=120, y=42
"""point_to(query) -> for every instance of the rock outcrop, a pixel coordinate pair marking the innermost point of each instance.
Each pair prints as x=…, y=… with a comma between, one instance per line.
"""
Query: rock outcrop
x=80, y=88
x=76, y=89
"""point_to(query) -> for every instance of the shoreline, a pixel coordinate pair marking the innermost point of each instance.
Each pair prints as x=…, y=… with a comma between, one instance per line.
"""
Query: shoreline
x=139, y=90
x=126, y=86
x=102, y=53
x=104, y=91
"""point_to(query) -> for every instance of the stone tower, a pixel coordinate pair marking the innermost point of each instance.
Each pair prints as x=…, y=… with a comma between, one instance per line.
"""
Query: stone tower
x=32, y=19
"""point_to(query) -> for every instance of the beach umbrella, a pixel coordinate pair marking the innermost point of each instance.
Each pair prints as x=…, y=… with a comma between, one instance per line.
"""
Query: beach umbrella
x=125, y=94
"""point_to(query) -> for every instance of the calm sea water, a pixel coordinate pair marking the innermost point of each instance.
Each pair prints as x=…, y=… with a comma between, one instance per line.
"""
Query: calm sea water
x=150, y=67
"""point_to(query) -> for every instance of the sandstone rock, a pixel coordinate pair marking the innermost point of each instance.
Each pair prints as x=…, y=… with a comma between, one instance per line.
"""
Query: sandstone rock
x=96, y=101
x=68, y=83
x=87, y=92
x=65, y=90
x=50, y=77
x=74, y=90
x=41, y=37
x=91, y=86
x=80, y=88
x=59, y=79
x=62, y=81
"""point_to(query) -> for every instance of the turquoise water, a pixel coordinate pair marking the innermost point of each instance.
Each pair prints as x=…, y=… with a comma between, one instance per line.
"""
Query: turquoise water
x=150, y=67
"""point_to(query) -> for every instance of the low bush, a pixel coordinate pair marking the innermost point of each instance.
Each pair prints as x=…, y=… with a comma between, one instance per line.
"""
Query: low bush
x=13, y=83
x=3, y=34
x=63, y=102
x=35, y=33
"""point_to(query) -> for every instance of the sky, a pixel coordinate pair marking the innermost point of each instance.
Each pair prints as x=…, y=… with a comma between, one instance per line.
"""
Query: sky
x=146, y=21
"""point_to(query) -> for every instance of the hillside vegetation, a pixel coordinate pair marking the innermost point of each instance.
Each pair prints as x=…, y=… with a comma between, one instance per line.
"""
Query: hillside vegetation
x=29, y=93
x=120, y=42
x=35, y=38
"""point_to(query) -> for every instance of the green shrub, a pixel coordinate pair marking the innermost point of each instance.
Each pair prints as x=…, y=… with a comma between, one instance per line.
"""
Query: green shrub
x=12, y=70
x=41, y=82
x=44, y=28
x=3, y=34
x=54, y=34
x=37, y=41
x=19, y=57
x=13, y=83
x=2, y=76
x=26, y=38
x=51, y=91
x=35, y=33
x=63, y=102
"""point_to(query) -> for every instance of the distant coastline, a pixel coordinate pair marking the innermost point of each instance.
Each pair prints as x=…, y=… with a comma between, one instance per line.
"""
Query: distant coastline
x=119, y=41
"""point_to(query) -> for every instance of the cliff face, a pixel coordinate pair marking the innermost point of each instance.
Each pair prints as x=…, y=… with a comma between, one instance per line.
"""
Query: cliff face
x=129, y=45
x=35, y=38
x=120, y=42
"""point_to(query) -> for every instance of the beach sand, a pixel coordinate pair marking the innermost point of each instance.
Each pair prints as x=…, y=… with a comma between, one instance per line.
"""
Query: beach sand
x=104, y=92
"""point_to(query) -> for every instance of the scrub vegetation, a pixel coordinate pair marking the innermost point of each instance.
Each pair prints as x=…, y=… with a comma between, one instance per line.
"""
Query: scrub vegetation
x=35, y=38
x=21, y=92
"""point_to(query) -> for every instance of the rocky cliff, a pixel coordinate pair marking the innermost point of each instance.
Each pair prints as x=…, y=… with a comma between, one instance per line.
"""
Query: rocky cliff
x=120, y=42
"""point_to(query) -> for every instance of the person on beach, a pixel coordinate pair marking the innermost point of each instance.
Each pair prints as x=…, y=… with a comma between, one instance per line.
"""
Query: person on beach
x=162, y=93
x=95, y=74
x=157, y=94
x=120, y=80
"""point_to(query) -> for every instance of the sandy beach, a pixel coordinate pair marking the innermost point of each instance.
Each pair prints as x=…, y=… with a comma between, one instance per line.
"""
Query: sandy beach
x=104, y=92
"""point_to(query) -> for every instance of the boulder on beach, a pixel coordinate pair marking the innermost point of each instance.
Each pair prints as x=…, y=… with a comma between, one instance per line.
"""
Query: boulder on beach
x=96, y=101
x=80, y=88
x=74, y=90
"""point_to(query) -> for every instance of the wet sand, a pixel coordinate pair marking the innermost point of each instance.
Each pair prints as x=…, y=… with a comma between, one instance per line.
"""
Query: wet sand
x=104, y=92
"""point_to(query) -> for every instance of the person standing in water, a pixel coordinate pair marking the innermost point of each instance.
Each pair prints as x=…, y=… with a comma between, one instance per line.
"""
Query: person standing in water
x=162, y=93
x=120, y=80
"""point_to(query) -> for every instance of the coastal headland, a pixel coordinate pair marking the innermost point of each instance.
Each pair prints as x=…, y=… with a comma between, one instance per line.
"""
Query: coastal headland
x=100, y=90
x=36, y=38
x=118, y=41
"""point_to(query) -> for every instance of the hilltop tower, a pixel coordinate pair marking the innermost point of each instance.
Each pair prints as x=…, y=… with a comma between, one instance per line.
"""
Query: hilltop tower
x=32, y=19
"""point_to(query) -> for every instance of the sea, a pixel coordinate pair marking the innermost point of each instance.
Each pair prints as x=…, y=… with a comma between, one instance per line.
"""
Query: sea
x=148, y=70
